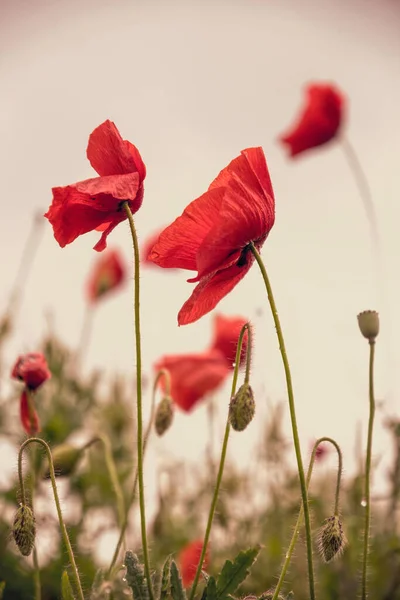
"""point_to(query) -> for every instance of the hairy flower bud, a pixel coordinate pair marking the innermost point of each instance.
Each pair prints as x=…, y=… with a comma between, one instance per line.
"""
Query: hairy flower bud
x=368, y=322
x=242, y=408
x=24, y=529
x=331, y=539
x=65, y=459
x=164, y=415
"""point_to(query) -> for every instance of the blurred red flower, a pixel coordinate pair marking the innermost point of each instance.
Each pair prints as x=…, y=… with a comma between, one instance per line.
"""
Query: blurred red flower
x=188, y=560
x=96, y=203
x=29, y=417
x=147, y=247
x=213, y=234
x=193, y=376
x=321, y=452
x=226, y=337
x=319, y=120
x=109, y=273
x=32, y=369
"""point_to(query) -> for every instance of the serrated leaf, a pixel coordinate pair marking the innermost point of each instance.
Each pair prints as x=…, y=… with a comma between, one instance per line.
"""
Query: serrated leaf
x=66, y=588
x=210, y=591
x=234, y=573
x=165, y=588
x=135, y=577
x=177, y=590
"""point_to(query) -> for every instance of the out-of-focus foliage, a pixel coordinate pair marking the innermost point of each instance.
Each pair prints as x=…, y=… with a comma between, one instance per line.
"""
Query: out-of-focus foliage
x=259, y=505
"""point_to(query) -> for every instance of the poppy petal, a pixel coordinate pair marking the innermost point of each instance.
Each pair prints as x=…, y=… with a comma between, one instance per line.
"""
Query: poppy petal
x=28, y=415
x=102, y=243
x=178, y=244
x=109, y=154
x=211, y=290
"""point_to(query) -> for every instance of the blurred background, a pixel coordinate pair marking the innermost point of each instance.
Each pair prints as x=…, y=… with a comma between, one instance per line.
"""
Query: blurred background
x=192, y=83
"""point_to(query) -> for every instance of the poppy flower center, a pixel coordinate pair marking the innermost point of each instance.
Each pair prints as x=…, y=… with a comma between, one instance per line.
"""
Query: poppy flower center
x=243, y=256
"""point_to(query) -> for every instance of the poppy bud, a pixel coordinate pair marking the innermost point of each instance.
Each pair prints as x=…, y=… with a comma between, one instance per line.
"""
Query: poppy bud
x=65, y=459
x=242, y=408
x=24, y=529
x=368, y=322
x=164, y=415
x=331, y=539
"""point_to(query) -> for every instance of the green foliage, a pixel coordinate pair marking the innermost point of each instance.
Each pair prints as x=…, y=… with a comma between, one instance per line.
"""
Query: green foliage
x=165, y=586
x=66, y=589
x=135, y=577
x=177, y=591
x=234, y=573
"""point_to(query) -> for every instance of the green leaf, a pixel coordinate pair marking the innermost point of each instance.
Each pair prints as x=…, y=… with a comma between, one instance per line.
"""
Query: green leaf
x=66, y=589
x=135, y=576
x=210, y=591
x=177, y=591
x=165, y=589
x=234, y=573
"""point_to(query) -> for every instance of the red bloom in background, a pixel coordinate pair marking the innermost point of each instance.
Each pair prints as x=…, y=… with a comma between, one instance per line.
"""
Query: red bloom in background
x=32, y=369
x=147, y=246
x=29, y=417
x=193, y=376
x=319, y=120
x=96, y=203
x=226, y=337
x=321, y=452
x=188, y=560
x=213, y=234
x=109, y=274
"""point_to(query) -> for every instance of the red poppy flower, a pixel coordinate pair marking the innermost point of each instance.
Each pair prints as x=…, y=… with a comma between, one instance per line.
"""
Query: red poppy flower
x=32, y=369
x=213, y=234
x=319, y=120
x=321, y=452
x=29, y=417
x=226, y=337
x=188, y=560
x=96, y=203
x=146, y=248
x=193, y=376
x=109, y=274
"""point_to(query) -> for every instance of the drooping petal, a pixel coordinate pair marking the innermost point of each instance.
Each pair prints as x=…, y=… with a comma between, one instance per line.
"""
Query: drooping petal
x=109, y=154
x=28, y=415
x=178, y=244
x=211, y=290
x=226, y=336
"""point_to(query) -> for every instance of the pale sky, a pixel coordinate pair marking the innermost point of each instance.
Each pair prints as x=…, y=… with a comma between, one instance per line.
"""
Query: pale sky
x=191, y=83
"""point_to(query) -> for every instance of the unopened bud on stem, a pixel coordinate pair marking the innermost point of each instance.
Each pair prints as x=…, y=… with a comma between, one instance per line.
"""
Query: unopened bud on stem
x=242, y=408
x=164, y=415
x=331, y=539
x=368, y=322
x=24, y=529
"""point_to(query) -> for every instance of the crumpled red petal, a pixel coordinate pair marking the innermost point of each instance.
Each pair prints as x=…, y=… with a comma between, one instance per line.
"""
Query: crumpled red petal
x=109, y=154
x=178, y=244
x=29, y=418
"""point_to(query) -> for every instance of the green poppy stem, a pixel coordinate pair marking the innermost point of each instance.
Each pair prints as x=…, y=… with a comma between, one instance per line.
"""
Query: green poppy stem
x=367, y=497
x=292, y=409
x=146, y=559
x=245, y=328
x=295, y=535
x=64, y=532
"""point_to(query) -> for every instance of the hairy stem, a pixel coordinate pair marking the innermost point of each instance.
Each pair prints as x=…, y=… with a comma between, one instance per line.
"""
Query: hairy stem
x=292, y=409
x=295, y=535
x=368, y=469
x=245, y=328
x=64, y=532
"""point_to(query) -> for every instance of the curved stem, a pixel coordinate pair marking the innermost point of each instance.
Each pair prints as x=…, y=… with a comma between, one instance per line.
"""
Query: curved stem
x=146, y=559
x=368, y=469
x=295, y=535
x=245, y=328
x=133, y=493
x=58, y=505
x=36, y=567
x=292, y=409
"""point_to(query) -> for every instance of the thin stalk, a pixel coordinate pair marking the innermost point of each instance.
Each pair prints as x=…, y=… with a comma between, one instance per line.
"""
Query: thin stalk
x=36, y=575
x=146, y=560
x=295, y=535
x=368, y=468
x=245, y=328
x=36, y=567
x=292, y=409
x=135, y=481
x=64, y=532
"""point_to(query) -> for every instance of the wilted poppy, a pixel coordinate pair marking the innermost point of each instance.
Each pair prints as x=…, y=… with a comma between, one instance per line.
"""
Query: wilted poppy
x=226, y=337
x=193, y=376
x=97, y=203
x=32, y=369
x=214, y=232
x=109, y=273
x=188, y=560
x=319, y=120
